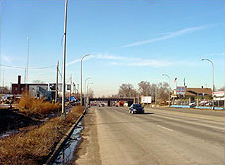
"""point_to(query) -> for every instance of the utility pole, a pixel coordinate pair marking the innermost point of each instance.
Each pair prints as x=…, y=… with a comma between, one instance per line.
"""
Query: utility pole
x=28, y=52
x=25, y=76
x=77, y=89
x=64, y=65
x=3, y=78
x=70, y=86
x=57, y=81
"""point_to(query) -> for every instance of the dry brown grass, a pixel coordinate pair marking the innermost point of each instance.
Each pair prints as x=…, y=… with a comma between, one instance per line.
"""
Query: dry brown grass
x=34, y=146
x=36, y=106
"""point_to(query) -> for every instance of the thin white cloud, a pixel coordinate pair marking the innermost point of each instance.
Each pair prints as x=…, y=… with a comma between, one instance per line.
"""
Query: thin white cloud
x=98, y=56
x=126, y=61
x=7, y=59
x=115, y=63
x=148, y=62
x=108, y=57
x=73, y=62
x=217, y=54
x=169, y=35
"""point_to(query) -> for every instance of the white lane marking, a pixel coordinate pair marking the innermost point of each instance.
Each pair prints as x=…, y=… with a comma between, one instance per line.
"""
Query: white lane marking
x=193, y=121
x=164, y=128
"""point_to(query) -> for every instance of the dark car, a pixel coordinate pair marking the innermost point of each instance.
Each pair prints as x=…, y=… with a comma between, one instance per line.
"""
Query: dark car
x=136, y=108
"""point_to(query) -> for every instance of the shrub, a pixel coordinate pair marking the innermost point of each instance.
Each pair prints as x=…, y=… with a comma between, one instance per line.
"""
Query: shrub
x=36, y=106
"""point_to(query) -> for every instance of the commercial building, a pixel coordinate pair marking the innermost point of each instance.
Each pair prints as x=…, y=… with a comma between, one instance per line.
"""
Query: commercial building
x=33, y=89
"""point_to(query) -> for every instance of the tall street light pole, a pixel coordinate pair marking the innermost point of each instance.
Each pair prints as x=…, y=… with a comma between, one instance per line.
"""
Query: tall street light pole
x=77, y=89
x=64, y=64
x=224, y=69
x=213, y=88
x=85, y=85
x=81, y=61
x=169, y=84
x=87, y=92
x=0, y=45
x=88, y=86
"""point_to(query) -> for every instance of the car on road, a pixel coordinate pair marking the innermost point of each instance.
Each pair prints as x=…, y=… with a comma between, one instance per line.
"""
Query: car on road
x=101, y=105
x=136, y=108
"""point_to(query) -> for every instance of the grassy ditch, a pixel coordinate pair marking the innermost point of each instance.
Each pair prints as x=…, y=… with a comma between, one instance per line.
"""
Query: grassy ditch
x=29, y=112
x=35, y=145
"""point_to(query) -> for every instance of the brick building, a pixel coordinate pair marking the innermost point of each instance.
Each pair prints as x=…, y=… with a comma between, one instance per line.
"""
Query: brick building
x=33, y=89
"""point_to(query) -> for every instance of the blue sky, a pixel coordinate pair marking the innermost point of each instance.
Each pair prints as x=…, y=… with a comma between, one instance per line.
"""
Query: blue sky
x=130, y=41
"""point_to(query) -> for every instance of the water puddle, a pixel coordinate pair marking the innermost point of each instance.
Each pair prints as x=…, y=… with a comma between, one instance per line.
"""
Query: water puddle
x=67, y=153
x=8, y=133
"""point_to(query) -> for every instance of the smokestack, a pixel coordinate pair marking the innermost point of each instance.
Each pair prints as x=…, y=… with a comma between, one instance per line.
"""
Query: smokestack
x=19, y=79
x=18, y=85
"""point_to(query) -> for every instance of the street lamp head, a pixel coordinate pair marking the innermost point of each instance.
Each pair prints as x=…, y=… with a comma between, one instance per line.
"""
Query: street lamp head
x=85, y=56
x=87, y=78
x=203, y=59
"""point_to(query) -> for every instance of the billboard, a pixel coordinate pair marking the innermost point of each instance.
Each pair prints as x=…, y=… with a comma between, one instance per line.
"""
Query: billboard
x=146, y=99
x=218, y=94
x=68, y=87
x=52, y=87
x=180, y=90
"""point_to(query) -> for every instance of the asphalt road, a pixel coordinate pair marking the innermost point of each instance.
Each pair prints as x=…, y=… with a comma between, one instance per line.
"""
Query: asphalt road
x=160, y=136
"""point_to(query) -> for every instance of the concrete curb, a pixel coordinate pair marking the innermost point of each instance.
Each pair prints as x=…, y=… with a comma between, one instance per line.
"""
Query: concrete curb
x=63, y=141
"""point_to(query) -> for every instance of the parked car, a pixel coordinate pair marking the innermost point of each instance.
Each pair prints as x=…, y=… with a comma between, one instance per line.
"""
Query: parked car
x=192, y=104
x=203, y=102
x=7, y=99
x=136, y=108
x=209, y=104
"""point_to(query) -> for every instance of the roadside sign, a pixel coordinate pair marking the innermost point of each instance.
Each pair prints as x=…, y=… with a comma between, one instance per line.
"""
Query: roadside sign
x=180, y=90
x=68, y=87
x=146, y=99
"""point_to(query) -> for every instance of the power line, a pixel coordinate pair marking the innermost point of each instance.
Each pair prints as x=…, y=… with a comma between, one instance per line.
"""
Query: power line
x=47, y=67
x=32, y=68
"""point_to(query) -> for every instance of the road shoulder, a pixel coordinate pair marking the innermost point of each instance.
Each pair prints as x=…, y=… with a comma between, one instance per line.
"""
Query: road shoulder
x=88, y=151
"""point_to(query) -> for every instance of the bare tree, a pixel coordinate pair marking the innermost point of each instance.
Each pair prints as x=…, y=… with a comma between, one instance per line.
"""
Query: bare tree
x=153, y=90
x=38, y=82
x=144, y=88
x=90, y=93
x=163, y=92
x=127, y=90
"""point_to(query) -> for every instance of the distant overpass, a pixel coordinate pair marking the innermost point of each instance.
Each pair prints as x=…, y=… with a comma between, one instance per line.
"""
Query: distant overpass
x=129, y=100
